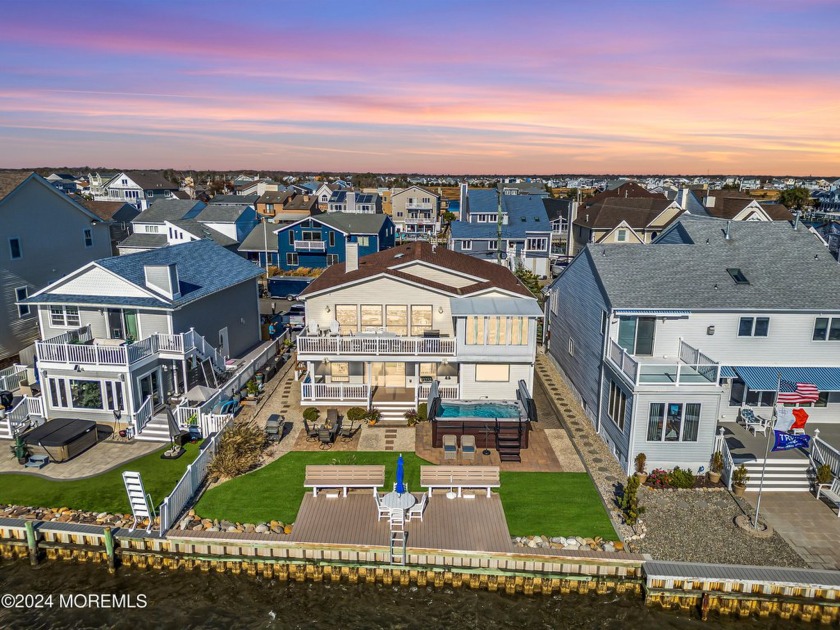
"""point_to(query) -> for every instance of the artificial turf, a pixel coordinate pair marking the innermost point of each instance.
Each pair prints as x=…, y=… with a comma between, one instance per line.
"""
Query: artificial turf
x=101, y=493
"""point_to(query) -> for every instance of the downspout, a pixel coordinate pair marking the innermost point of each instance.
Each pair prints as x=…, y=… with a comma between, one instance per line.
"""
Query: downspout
x=631, y=443
x=601, y=374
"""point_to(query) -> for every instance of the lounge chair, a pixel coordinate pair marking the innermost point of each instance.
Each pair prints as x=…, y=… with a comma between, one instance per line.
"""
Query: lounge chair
x=332, y=417
x=450, y=447
x=468, y=447
x=325, y=436
x=311, y=432
x=416, y=510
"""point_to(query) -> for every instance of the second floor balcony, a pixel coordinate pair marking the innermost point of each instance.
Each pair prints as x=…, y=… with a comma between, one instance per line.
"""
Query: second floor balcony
x=690, y=367
x=375, y=344
x=310, y=246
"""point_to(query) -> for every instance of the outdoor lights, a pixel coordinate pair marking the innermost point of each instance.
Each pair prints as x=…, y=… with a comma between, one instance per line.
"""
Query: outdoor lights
x=440, y=310
x=327, y=308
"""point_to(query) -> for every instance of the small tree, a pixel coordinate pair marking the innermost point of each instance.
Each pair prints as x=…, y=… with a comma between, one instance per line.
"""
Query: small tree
x=356, y=414
x=530, y=280
x=629, y=502
x=716, y=464
x=641, y=460
x=310, y=414
x=795, y=198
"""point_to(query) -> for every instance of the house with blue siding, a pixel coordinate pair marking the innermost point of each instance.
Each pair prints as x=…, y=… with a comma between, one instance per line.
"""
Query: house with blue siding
x=494, y=226
x=666, y=343
x=321, y=241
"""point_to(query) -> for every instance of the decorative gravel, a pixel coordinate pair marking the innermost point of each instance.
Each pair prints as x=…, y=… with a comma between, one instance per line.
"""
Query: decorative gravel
x=678, y=525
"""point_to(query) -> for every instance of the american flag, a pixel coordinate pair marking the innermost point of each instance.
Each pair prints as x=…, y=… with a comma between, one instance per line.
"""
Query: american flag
x=797, y=393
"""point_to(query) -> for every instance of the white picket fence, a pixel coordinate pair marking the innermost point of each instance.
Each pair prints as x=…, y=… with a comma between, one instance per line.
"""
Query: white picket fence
x=191, y=481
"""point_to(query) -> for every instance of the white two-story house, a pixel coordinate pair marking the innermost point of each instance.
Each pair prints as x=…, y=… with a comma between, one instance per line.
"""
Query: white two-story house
x=416, y=213
x=663, y=342
x=139, y=188
x=122, y=335
x=382, y=328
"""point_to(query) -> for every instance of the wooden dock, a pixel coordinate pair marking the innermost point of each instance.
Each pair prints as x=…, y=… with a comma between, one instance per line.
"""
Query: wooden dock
x=461, y=524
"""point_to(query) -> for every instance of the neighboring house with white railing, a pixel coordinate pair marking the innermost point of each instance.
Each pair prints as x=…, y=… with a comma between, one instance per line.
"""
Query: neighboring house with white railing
x=663, y=341
x=383, y=327
x=123, y=335
x=416, y=212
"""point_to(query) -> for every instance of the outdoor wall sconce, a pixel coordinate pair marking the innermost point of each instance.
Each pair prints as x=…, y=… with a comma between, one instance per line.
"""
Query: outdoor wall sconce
x=327, y=308
x=710, y=330
x=440, y=310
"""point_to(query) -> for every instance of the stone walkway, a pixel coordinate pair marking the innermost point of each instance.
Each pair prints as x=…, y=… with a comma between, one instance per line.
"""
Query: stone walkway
x=689, y=526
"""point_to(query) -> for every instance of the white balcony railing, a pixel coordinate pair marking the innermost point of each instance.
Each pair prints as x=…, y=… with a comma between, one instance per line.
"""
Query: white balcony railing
x=419, y=205
x=446, y=392
x=333, y=391
x=692, y=368
x=310, y=246
x=416, y=346
x=420, y=220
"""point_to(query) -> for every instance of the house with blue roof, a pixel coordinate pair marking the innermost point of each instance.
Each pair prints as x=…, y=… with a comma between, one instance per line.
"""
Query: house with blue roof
x=672, y=346
x=320, y=241
x=511, y=229
x=123, y=335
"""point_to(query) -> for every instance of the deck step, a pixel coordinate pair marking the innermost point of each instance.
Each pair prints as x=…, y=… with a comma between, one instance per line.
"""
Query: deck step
x=780, y=475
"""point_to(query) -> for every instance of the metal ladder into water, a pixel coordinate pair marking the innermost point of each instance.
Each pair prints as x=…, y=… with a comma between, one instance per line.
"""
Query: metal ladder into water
x=398, y=538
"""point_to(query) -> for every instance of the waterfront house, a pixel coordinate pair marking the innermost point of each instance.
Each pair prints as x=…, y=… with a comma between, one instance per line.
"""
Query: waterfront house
x=122, y=335
x=382, y=328
x=511, y=229
x=140, y=188
x=354, y=202
x=662, y=342
x=45, y=235
x=416, y=212
x=320, y=241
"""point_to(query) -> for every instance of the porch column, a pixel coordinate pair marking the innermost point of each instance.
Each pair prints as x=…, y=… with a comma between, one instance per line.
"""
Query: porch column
x=184, y=372
x=175, y=379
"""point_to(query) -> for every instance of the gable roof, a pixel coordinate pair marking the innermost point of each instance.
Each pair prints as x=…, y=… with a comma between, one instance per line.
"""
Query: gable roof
x=12, y=180
x=526, y=214
x=347, y=222
x=9, y=180
x=628, y=190
x=557, y=208
x=787, y=269
x=274, y=196
x=260, y=239
x=118, y=211
x=222, y=212
x=200, y=230
x=170, y=210
x=637, y=212
x=203, y=268
x=245, y=200
x=149, y=180
x=386, y=263
x=422, y=189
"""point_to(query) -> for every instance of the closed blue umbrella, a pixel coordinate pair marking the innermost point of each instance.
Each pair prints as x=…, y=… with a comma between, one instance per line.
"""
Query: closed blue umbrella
x=400, y=486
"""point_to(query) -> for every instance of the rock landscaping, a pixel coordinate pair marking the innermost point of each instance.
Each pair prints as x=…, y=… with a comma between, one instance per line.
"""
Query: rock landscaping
x=571, y=543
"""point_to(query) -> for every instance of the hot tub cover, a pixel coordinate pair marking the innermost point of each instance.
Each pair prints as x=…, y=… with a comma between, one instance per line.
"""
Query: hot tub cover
x=59, y=432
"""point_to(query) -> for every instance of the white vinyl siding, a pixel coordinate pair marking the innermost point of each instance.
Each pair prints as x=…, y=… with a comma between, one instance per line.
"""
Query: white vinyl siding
x=492, y=373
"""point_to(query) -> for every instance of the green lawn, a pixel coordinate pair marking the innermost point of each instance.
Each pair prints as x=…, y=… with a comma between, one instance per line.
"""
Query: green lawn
x=551, y=504
x=274, y=492
x=554, y=504
x=102, y=493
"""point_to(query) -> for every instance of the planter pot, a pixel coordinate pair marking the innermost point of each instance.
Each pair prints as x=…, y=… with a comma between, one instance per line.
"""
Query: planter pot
x=738, y=489
x=714, y=477
x=642, y=478
x=22, y=461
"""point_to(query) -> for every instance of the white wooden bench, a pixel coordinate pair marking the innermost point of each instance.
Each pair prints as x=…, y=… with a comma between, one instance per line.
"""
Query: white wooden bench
x=460, y=477
x=832, y=493
x=344, y=477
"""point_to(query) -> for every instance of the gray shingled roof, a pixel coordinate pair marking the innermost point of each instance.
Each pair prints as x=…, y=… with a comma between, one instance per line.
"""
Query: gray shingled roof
x=170, y=210
x=197, y=228
x=352, y=222
x=150, y=180
x=261, y=236
x=786, y=269
x=222, y=212
x=141, y=240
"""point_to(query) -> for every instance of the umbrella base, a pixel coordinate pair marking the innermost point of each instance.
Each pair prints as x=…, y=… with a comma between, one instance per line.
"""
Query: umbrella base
x=173, y=453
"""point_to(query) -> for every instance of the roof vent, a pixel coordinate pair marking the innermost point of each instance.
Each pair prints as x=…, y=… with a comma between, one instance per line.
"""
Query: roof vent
x=400, y=255
x=737, y=275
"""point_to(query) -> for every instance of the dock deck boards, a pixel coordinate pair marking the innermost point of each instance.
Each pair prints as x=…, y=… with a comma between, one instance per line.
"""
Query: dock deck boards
x=460, y=524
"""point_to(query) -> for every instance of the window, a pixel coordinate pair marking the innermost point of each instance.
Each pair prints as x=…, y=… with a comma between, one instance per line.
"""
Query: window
x=635, y=334
x=88, y=237
x=621, y=236
x=753, y=326
x=489, y=373
x=571, y=346
x=492, y=246
x=428, y=372
x=291, y=237
x=340, y=372
x=125, y=182
x=85, y=394
x=150, y=229
x=475, y=331
x=737, y=275
x=827, y=328
x=310, y=235
x=536, y=244
x=347, y=317
x=332, y=239
x=421, y=319
x=363, y=241
x=604, y=320
x=15, y=250
x=396, y=319
x=617, y=406
x=673, y=422
x=292, y=259
x=466, y=246
x=519, y=331
x=332, y=259
x=65, y=316
x=371, y=316
x=21, y=293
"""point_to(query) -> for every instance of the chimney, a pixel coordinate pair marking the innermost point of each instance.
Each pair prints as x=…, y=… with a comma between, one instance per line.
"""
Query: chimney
x=728, y=225
x=351, y=254
x=465, y=200
x=351, y=201
x=796, y=221
x=163, y=279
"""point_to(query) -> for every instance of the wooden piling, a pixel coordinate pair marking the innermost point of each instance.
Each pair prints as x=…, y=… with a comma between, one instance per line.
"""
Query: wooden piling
x=32, y=543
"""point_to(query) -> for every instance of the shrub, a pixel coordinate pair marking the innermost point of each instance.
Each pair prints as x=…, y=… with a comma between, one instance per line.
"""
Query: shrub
x=740, y=477
x=310, y=414
x=422, y=413
x=681, y=478
x=239, y=451
x=641, y=459
x=411, y=416
x=356, y=414
x=372, y=415
x=658, y=478
x=629, y=502
x=716, y=465
x=824, y=474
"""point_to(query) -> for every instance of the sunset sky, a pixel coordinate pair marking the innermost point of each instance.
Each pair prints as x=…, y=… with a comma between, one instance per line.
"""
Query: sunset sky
x=455, y=86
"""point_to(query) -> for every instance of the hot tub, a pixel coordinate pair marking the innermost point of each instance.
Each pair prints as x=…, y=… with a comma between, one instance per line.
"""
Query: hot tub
x=62, y=438
x=483, y=419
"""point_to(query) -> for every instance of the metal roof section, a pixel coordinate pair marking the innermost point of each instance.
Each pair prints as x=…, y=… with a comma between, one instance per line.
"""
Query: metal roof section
x=516, y=307
x=757, y=378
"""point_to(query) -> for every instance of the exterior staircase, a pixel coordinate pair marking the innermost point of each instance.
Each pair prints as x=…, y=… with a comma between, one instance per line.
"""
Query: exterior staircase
x=781, y=475
x=393, y=413
x=509, y=441
x=156, y=430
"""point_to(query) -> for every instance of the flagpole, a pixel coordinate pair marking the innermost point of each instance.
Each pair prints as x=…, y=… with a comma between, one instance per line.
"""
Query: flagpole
x=767, y=451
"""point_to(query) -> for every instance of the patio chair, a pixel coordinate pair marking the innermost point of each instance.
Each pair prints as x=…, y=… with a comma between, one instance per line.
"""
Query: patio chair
x=335, y=328
x=450, y=447
x=313, y=329
x=311, y=432
x=325, y=436
x=383, y=512
x=332, y=417
x=416, y=510
x=752, y=422
x=468, y=447
x=347, y=432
